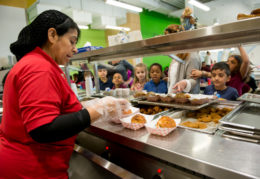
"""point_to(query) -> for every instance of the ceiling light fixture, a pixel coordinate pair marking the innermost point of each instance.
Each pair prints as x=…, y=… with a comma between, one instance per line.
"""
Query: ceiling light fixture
x=124, y=5
x=117, y=28
x=199, y=5
x=83, y=26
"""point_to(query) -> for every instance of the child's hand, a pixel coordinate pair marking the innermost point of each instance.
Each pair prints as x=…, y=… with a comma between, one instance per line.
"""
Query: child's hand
x=196, y=74
x=180, y=86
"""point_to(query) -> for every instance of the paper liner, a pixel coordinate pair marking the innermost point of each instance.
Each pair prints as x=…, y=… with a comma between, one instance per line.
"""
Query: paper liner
x=151, y=127
x=134, y=111
x=126, y=122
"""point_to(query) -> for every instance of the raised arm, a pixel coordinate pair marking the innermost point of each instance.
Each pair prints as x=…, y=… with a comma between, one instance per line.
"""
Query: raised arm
x=245, y=62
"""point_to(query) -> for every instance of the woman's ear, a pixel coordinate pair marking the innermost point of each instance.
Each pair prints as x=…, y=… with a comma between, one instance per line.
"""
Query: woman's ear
x=52, y=35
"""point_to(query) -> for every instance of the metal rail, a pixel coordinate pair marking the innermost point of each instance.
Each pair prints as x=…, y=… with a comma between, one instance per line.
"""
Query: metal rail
x=107, y=165
x=226, y=35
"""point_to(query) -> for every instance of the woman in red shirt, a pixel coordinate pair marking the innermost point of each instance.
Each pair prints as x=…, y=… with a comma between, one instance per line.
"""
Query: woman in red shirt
x=41, y=114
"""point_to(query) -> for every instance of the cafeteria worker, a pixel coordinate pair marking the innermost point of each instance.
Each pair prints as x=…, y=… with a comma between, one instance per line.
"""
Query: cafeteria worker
x=42, y=115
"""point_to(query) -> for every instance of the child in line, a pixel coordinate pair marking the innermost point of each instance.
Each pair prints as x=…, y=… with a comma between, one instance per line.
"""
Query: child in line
x=220, y=75
x=118, y=81
x=156, y=85
x=140, y=77
x=104, y=81
x=239, y=66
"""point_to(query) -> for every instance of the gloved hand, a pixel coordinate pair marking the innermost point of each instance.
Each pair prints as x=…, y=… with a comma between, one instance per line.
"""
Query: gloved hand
x=108, y=107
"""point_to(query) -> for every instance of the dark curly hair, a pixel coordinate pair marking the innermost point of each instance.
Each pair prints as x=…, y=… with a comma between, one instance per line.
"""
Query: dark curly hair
x=239, y=60
x=36, y=33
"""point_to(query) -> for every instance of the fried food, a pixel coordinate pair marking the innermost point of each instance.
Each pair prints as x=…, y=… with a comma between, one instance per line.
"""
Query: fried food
x=182, y=95
x=156, y=109
x=191, y=114
x=152, y=110
x=205, y=118
x=139, y=94
x=138, y=118
x=196, y=124
x=166, y=98
x=165, y=122
x=129, y=111
x=181, y=98
x=143, y=110
x=153, y=98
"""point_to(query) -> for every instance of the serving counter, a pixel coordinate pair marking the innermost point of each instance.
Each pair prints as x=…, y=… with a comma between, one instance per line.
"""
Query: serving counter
x=181, y=154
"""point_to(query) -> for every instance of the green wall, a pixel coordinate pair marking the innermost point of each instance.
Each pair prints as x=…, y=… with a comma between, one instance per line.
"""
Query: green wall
x=96, y=37
x=153, y=24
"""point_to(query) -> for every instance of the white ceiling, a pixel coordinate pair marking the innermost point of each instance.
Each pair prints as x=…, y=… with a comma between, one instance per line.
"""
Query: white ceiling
x=223, y=10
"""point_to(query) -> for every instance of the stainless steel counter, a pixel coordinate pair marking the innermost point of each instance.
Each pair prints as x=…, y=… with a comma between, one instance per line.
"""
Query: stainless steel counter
x=210, y=155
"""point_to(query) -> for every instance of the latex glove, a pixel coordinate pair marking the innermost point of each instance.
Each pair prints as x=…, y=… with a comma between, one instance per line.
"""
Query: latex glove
x=108, y=107
x=180, y=86
x=196, y=74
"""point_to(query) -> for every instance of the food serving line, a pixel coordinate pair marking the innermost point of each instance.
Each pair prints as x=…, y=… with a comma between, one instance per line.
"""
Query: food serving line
x=183, y=153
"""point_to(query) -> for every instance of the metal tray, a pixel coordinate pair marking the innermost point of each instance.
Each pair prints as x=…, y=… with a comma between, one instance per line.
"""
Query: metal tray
x=246, y=116
x=240, y=133
x=255, y=98
x=212, y=127
x=239, y=137
x=175, y=105
x=238, y=130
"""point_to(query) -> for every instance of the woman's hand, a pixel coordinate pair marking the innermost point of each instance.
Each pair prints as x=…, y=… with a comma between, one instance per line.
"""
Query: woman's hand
x=196, y=74
x=106, y=108
x=180, y=86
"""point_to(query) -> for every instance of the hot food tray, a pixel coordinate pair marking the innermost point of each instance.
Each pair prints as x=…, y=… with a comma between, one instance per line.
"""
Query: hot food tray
x=211, y=126
x=250, y=98
x=245, y=116
x=175, y=105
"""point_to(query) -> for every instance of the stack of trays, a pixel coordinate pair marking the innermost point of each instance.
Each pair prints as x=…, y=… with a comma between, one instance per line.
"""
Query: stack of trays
x=243, y=123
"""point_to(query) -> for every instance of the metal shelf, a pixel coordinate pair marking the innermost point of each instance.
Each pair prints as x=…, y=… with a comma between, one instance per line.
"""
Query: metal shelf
x=221, y=36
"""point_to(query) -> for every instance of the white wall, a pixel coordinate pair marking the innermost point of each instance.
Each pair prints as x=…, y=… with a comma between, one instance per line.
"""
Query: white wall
x=11, y=22
x=224, y=10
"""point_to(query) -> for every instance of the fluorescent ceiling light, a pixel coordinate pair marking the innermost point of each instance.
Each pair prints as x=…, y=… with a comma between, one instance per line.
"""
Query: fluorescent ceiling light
x=124, y=5
x=199, y=5
x=83, y=26
x=117, y=28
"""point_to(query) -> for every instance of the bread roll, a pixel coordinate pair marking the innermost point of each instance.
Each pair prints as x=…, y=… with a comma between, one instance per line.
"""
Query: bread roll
x=165, y=122
x=138, y=118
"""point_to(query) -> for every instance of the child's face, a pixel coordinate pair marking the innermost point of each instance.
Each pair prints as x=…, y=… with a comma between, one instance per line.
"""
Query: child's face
x=102, y=73
x=232, y=63
x=219, y=78
x=117, y=79
x=155, y=73
x=140, y=73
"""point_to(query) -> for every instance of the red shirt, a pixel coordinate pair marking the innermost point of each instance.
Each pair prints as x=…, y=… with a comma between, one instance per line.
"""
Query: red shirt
x=35, y=93
x=236, y=82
